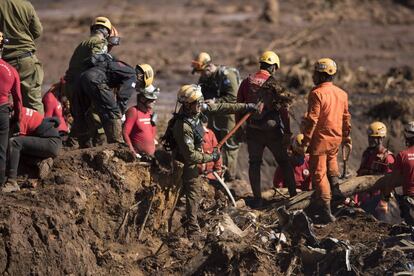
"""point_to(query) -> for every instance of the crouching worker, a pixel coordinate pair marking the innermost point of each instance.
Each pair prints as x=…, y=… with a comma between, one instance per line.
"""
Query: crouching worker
x=403, y=175
x=36, y=137
x=187, y=133
x=139, y=128
x=300, y=164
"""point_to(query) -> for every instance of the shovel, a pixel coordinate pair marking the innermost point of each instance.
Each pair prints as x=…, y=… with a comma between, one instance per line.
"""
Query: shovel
x=346, y=151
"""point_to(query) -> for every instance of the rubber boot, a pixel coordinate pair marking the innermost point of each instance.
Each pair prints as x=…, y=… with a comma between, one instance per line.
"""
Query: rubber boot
x=113, y=131
x=325, y=213
x=337, y=195
x=10, y=186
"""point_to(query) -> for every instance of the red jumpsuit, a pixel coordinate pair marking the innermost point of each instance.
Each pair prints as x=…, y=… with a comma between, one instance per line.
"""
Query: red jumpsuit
x=53, y=108
x=209, y=142
x=374, y=162
x=302, y=175
x=139, y=133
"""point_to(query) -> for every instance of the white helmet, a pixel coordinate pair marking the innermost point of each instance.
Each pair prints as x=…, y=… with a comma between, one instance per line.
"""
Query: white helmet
x=409, y=130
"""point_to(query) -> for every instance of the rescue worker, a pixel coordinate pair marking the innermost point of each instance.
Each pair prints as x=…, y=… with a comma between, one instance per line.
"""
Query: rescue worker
x=101, y=31
x=376, y=159
x=21, y=25
x=53, y=108
x=96, y=43
x=209, y=143
x=9, y=85
x=36, y=137
x=96, y=92
x=187, y=134
x=219, y=84
x=300, y=164
x=270, y=129
x=326, y=126
x=403, y=175
x=140, y=125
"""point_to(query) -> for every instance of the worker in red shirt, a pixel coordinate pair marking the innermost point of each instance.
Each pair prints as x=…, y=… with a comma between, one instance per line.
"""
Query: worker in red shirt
x=270, y=128
x=139, y=128
x=300, y=164
x=403, y=175
x=9, y=84
x=209, y=143
x=37, y=137
x=376, y=159
x=53, y=107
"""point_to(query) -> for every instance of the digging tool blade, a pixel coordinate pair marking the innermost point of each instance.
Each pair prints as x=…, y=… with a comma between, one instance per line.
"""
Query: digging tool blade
x=346, y=151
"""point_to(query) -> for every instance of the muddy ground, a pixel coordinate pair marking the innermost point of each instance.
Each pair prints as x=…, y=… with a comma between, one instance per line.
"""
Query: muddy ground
x=86, y=217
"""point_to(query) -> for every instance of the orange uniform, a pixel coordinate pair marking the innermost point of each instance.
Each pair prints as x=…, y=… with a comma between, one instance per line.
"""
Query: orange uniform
x=327, y=122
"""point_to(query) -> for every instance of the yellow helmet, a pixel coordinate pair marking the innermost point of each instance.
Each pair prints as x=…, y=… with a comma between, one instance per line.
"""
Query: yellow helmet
x=1, y=38
x=148, y=73
x=201, y=61
x=189, y=93
x=102, y=21
x=297, y=142
x=271, y=58
x=377, y=129
x=326, y=65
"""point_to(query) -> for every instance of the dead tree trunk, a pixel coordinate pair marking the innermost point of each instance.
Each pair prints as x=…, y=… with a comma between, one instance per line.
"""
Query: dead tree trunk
x=348, y=188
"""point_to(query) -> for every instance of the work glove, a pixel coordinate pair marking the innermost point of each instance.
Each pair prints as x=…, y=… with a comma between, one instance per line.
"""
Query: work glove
x=216, y=154
x=251, y=107
x=382, y=207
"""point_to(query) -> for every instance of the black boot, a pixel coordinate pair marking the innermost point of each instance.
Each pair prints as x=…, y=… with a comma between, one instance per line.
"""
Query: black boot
x=325, y=214
x=337, y=195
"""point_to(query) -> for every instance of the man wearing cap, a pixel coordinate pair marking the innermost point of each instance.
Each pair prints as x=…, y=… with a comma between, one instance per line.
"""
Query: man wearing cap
x=326, y=125
x=219, y=84
x=21, y=26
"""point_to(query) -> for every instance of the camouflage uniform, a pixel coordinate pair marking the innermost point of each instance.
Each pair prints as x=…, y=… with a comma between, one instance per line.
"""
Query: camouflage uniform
x=188, y=133
x=21, y=25
x=79, y=63
x=223, y=86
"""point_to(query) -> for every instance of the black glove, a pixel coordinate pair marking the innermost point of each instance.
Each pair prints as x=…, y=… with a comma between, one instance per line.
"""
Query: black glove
x=252, y=107
x=216, y=154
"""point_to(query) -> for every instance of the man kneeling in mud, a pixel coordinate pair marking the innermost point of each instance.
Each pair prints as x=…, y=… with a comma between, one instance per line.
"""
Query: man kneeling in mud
x=38, y=139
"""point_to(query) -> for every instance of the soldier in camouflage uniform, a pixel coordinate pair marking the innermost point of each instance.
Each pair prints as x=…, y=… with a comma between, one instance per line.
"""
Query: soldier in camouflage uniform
x=97, y=43
x=219, y=84
x=21, y=25
x=187, y=132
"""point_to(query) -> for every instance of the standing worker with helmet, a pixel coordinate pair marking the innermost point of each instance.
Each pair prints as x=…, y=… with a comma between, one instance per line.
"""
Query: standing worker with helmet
x=101, y=32
x=187, y=133
x=271, y=128
x=219, y=84
x=9, y=85
x=376, y=159
x=403, y=175
x=327, y=124
x=139, y=128
x=21, y=25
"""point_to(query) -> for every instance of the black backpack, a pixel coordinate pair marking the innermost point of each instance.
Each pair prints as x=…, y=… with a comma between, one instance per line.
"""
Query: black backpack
x=167, y=140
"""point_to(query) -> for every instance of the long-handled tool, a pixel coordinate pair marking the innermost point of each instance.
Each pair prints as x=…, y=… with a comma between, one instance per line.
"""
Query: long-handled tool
x=346, y=151
x=221, y=181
